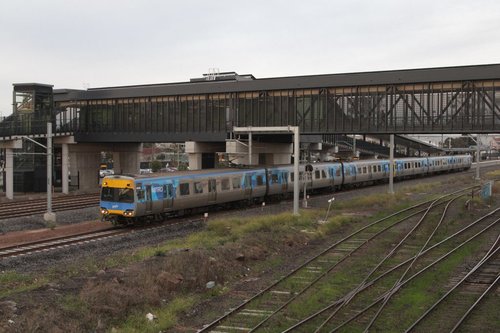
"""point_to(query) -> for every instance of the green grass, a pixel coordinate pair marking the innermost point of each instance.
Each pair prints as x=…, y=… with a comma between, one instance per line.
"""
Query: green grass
x=223, y=231
x=493, y=174
x=12, y=283
x=73, y=304
x=424, y=187
x=412, y=300
x=334, y=223
x=167, y=317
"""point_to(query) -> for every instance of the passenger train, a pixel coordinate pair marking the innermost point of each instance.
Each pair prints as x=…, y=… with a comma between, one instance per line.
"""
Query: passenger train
x=128, y=199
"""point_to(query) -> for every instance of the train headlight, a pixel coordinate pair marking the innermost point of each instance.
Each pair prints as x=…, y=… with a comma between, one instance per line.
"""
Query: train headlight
x=128, y=213
x=104, y=211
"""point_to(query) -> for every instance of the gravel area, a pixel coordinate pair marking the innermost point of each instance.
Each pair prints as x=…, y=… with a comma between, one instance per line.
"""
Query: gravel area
x=94, y=250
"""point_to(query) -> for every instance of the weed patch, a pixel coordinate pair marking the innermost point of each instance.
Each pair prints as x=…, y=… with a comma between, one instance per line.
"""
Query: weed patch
x=12, y=283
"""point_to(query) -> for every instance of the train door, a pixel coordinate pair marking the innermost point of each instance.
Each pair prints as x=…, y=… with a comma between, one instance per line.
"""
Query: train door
x=149, y=199
x=353, y=172
x=247, y=185
x=168, y=197
x=283, y=178
x=212, y=190
x=385, y=170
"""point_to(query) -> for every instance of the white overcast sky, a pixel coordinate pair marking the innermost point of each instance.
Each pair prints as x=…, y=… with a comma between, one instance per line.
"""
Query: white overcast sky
x=82, y=43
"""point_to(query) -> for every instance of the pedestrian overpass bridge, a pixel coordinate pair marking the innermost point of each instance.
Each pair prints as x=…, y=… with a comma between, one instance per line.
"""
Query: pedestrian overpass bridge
x=204, y=111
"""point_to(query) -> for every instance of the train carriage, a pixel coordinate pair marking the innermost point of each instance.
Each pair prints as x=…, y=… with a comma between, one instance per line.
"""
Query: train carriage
x=278, y=179
x=326, y=175
x=411, y=167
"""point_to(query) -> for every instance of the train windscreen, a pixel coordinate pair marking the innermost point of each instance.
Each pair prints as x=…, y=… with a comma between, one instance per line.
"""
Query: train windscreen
x=117, y=194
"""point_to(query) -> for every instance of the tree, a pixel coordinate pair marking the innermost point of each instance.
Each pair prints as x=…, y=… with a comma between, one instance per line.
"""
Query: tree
x=156, y=166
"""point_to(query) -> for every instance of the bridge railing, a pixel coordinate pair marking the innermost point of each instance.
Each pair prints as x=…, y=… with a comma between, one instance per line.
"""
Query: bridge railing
x=31, y=124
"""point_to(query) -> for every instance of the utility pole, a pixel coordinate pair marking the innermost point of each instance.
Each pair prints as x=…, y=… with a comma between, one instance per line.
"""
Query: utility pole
x=391, y=165
x=478, y=155
x=49, y=216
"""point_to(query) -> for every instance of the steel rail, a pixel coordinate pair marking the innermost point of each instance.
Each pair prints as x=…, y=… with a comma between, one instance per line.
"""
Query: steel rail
x=372, y=282
x=397, y=284
x=380, y=298
x=354, y=293
x=295, y=270
x=19, y=209
x=44, y=245
x=486, y=292
x=312, y=283
x=52, y=239
x=235, y=310
x=38, y=246
x=492, y=251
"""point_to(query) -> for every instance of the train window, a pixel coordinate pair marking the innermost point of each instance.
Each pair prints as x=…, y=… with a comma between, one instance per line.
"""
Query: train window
x=337, y=172
x=236, y=183
x=359, y=170
x=184, y=189
x=107, y=194
x=317, y=175
x=198, y=187
x=248, y=181
x=224, y=184
x=140, y=194
x=323, y=174
x=260, y=180
x=379, y=168
x=212, y=185
x=291, y=176
x=364, y=170
x=347, y=171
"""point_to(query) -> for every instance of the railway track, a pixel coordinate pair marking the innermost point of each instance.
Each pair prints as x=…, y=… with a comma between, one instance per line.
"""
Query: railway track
x=464, y=296
x=39, y=206
x=63, y=242
x=278, y=305
x=58, y=243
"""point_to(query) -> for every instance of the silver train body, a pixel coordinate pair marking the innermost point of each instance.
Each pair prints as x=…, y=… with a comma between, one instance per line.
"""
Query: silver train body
x=126, y=198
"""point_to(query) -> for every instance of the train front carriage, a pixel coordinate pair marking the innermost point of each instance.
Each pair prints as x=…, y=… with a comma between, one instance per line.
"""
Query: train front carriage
x=118, y=199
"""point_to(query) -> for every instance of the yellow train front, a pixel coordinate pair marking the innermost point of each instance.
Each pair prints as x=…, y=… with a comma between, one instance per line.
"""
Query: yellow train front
x=118, y=199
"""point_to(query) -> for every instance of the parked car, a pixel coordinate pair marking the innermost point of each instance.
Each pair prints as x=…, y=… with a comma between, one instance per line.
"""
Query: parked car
x=106, y=172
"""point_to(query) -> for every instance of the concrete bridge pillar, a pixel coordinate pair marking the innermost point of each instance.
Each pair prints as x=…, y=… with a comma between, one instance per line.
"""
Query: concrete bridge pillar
x=202, y=155
x=65, y=169
x=85, y=160
x=127, y=157
x=65, y=141
x=9, y=173
x=262, y=152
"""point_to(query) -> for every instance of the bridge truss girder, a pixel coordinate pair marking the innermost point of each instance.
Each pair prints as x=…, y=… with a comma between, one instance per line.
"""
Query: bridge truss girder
x=454, y=107
x=465, y=107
